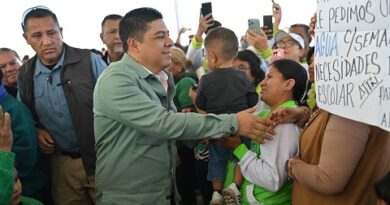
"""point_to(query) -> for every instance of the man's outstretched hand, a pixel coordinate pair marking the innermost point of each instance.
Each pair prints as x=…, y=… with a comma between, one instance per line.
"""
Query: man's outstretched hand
x=254, y=127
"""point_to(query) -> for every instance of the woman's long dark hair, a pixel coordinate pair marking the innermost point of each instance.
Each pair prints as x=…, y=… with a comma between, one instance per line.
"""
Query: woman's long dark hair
x=292, y=70
x=254, y=65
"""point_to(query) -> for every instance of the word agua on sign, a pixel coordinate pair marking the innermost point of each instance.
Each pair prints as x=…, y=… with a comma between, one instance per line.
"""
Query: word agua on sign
x=326, y=45
x=336, y=94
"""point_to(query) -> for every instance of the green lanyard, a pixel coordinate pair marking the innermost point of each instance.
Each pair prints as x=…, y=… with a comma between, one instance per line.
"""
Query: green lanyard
x=255, y=146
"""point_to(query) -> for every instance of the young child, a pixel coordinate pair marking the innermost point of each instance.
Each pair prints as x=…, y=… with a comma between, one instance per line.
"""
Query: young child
x=223, y=90
x=263, y=165
x=17, y=198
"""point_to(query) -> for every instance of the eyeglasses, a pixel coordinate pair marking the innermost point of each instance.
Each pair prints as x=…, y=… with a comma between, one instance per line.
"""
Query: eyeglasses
x=284, y=44
x=29, y=10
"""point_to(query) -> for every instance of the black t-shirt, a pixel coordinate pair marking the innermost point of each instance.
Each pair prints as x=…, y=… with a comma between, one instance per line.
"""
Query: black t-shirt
x=225, y=90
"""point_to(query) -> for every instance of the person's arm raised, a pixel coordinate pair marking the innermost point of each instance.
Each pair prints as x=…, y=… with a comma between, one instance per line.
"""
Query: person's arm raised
x=204, y=23
x=178, y=41
x=257, y=40
x=277, y=14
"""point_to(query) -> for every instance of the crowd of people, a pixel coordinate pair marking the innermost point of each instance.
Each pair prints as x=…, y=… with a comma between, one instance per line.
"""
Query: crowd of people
x=151, y=121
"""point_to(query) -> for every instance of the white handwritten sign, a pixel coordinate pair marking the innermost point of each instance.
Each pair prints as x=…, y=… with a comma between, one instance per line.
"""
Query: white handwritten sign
x=352, y=59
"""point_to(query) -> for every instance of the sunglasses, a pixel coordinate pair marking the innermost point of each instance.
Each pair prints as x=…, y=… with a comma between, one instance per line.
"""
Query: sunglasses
x=29, y=10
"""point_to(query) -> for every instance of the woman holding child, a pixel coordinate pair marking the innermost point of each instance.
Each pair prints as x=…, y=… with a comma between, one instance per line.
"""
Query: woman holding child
x=285, y=85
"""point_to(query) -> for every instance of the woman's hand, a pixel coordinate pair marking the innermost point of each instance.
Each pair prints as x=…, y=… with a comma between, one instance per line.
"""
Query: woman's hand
x=277, y=13
x=268, y=32
x=297, y=115
x=204, y=23
x=289, y=166
x=259, y=41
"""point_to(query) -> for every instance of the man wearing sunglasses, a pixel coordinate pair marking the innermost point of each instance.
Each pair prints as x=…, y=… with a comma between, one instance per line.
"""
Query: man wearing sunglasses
x=57, y=85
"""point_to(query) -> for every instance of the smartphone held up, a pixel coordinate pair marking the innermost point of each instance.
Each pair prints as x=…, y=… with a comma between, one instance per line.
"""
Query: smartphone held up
x=267, y=21
x=254, y=25
x=206, y=8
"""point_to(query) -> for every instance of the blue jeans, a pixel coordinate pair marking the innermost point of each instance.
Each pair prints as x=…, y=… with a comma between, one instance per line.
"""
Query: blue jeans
x=219, y=156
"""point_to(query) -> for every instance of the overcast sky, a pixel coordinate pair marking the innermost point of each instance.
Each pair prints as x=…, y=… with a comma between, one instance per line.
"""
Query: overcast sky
x=81, y=19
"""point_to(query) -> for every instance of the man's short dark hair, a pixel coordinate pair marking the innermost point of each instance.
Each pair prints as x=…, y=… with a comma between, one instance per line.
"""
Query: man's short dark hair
x=111, y=17
x=225, y=40
x=8, y=50
x=136, y=23
x=38, y=12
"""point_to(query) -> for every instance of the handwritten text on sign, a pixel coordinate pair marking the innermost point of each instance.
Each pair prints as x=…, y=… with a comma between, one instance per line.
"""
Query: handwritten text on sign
x=352, y=66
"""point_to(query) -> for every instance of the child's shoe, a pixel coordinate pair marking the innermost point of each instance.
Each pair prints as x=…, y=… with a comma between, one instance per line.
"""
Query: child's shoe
x=232, y=195
x=217, y=199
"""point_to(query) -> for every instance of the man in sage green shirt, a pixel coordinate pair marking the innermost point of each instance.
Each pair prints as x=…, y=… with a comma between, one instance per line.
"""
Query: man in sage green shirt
x=136, y=123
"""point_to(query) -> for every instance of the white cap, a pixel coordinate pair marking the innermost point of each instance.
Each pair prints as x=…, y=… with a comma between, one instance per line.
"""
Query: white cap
x=282, y=34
